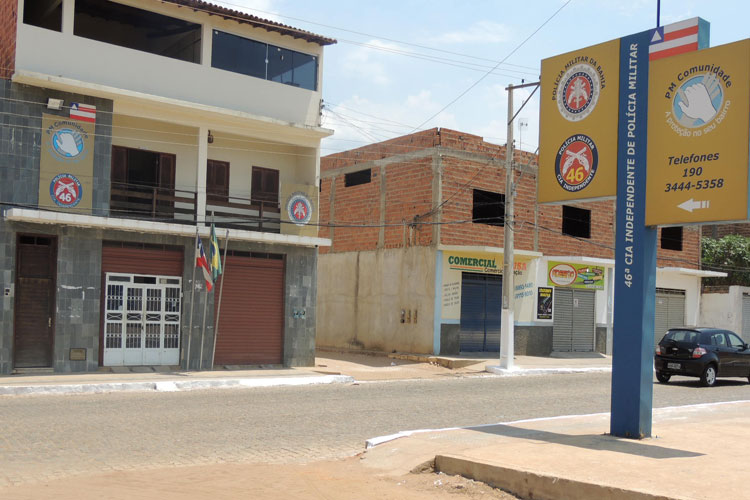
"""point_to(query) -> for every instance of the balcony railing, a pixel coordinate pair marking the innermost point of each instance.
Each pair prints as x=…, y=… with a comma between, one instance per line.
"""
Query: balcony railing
x=139, y=201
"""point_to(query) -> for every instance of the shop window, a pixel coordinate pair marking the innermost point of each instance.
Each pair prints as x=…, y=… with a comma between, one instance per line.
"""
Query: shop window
x=671, y=238
x=576, y=222
x=488, y=208
x=43, y=14
x=357, y=178
x=265, y=185
x=137, y=29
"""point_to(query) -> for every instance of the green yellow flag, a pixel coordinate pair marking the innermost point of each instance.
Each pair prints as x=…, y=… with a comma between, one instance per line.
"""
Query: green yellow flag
x=214, y=256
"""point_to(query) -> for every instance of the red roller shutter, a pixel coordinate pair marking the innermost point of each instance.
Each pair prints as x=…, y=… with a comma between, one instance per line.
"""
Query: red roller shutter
x=252, y=312
x=142, y=261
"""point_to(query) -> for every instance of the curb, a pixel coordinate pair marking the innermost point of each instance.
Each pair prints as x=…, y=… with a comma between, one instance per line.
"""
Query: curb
x=515, y=372
x=530, y=484
x=171, y=385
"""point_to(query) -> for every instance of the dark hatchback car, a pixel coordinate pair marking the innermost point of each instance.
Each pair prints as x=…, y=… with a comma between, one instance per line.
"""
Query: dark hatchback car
x=707, y=353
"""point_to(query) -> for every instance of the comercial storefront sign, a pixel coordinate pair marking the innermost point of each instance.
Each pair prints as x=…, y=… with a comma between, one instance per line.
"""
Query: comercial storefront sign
x=575, y=275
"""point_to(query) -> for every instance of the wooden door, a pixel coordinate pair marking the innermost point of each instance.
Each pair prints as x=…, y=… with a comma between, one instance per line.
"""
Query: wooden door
x=35, y=302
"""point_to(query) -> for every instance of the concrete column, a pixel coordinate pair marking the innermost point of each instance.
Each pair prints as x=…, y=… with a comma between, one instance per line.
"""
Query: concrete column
x=200, y=175
x=207, y=38
x=68, y=15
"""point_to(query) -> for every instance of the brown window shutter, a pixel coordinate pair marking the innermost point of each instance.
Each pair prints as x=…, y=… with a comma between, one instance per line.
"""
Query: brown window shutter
x=217, y=180
x=265, y=185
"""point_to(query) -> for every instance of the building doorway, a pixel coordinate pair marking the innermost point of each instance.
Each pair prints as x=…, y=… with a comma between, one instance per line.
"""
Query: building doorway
x=33, y=317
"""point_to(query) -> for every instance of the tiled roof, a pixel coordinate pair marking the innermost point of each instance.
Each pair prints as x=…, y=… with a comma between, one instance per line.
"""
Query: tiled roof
x=258, y=22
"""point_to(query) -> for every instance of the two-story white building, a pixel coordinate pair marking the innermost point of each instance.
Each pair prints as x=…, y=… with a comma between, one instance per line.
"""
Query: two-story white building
x=124, y=126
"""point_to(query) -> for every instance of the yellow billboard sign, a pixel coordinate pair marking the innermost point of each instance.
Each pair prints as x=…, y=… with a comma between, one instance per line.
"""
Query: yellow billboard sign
x=578, y=124
x=698, y=124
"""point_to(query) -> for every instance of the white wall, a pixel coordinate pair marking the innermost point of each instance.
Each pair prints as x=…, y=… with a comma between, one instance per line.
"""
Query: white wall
x=724, y=310
x=295, y=164
x=692, y=286
x=65, y=55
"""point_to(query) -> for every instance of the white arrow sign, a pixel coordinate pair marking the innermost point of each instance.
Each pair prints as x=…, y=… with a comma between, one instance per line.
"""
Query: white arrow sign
x=691, y=205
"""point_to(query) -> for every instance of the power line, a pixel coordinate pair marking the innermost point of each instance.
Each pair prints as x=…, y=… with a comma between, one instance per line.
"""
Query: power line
x=498, y=64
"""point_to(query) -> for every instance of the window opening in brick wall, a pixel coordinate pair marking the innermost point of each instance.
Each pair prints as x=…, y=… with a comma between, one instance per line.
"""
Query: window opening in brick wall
x=671, y=238
x=576, y=222
x=138, y=29
x=43, y=14
x=488, y=208
x=358, y=177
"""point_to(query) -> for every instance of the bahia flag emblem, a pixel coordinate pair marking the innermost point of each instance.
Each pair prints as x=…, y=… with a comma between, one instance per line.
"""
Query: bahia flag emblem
x=213, y=252
x=83, y=112
x=202, y=262
x=673, y=39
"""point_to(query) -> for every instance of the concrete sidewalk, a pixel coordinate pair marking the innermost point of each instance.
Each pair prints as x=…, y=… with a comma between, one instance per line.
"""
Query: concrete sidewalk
x=697, y=452
x=330, y=367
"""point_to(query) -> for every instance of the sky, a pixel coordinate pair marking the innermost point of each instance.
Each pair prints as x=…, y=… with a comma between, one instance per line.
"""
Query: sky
x=402, y=66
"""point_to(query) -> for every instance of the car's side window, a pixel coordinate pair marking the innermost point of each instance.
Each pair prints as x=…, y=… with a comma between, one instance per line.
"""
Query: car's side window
x=735, y=341
x=718, y=339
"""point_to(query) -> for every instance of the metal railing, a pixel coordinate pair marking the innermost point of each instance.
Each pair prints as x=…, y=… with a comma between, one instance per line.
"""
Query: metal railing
x=140, y=201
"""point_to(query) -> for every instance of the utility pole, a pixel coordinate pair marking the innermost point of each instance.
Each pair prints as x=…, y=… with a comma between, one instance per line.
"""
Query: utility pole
x=507, y=327
x=507, y=322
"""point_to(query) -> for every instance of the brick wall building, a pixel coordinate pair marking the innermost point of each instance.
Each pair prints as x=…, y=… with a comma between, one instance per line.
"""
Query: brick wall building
x=399, y=214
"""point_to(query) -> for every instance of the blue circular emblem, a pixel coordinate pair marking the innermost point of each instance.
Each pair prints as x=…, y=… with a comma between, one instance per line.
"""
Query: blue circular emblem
x=67, y=143
x=299, y=208
x=698, y=100
x=65, y=190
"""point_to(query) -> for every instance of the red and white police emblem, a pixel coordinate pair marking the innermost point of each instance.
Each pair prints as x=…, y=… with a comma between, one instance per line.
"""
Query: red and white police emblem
x=576, y=162
x=299, y=209
x=579, y=93
x=65, y=190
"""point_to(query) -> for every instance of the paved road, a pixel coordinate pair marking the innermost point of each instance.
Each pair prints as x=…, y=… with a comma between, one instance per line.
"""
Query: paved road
x=43, y=437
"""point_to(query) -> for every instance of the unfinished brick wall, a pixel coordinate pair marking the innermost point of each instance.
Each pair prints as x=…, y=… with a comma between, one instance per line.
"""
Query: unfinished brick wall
x=721, y=230
x=8, y=20
x=467, y=162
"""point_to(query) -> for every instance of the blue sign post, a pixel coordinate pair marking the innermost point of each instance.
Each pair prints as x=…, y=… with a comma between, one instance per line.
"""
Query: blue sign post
x=635, y=252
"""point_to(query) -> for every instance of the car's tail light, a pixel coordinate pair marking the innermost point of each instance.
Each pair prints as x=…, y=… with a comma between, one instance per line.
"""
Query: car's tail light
x=698, y=352
x=660, y=350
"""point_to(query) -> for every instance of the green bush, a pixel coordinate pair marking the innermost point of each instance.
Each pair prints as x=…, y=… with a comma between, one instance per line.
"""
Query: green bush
x=730, y=254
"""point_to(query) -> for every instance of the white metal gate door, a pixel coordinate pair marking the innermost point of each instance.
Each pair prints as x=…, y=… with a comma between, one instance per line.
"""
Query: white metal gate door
x=142, y=320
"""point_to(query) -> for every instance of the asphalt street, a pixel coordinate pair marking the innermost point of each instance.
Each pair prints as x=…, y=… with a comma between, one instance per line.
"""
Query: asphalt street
x=44, y=437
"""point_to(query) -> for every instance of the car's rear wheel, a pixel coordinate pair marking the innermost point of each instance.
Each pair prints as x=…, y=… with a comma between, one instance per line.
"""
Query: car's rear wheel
x=664, y=377
x=708, y=378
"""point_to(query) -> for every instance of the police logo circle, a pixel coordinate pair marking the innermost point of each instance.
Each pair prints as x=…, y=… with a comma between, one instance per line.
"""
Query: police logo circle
x=576, y=162
x=65, y=190
x=579, y=92
x=67, y=143
x=299, y=209
x=698, y=100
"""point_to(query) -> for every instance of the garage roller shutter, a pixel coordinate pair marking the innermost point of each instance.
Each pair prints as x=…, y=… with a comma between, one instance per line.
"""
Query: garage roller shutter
x=252, y=312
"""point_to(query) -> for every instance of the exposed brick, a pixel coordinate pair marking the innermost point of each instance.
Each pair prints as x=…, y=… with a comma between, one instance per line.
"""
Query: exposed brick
x=8, y=20
x=467, y=163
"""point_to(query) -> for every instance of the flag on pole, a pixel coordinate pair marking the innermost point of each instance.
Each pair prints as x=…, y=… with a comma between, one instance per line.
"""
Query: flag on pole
x=673, y=39
x=202, y=262
x=83, y=112
x=213, y=252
